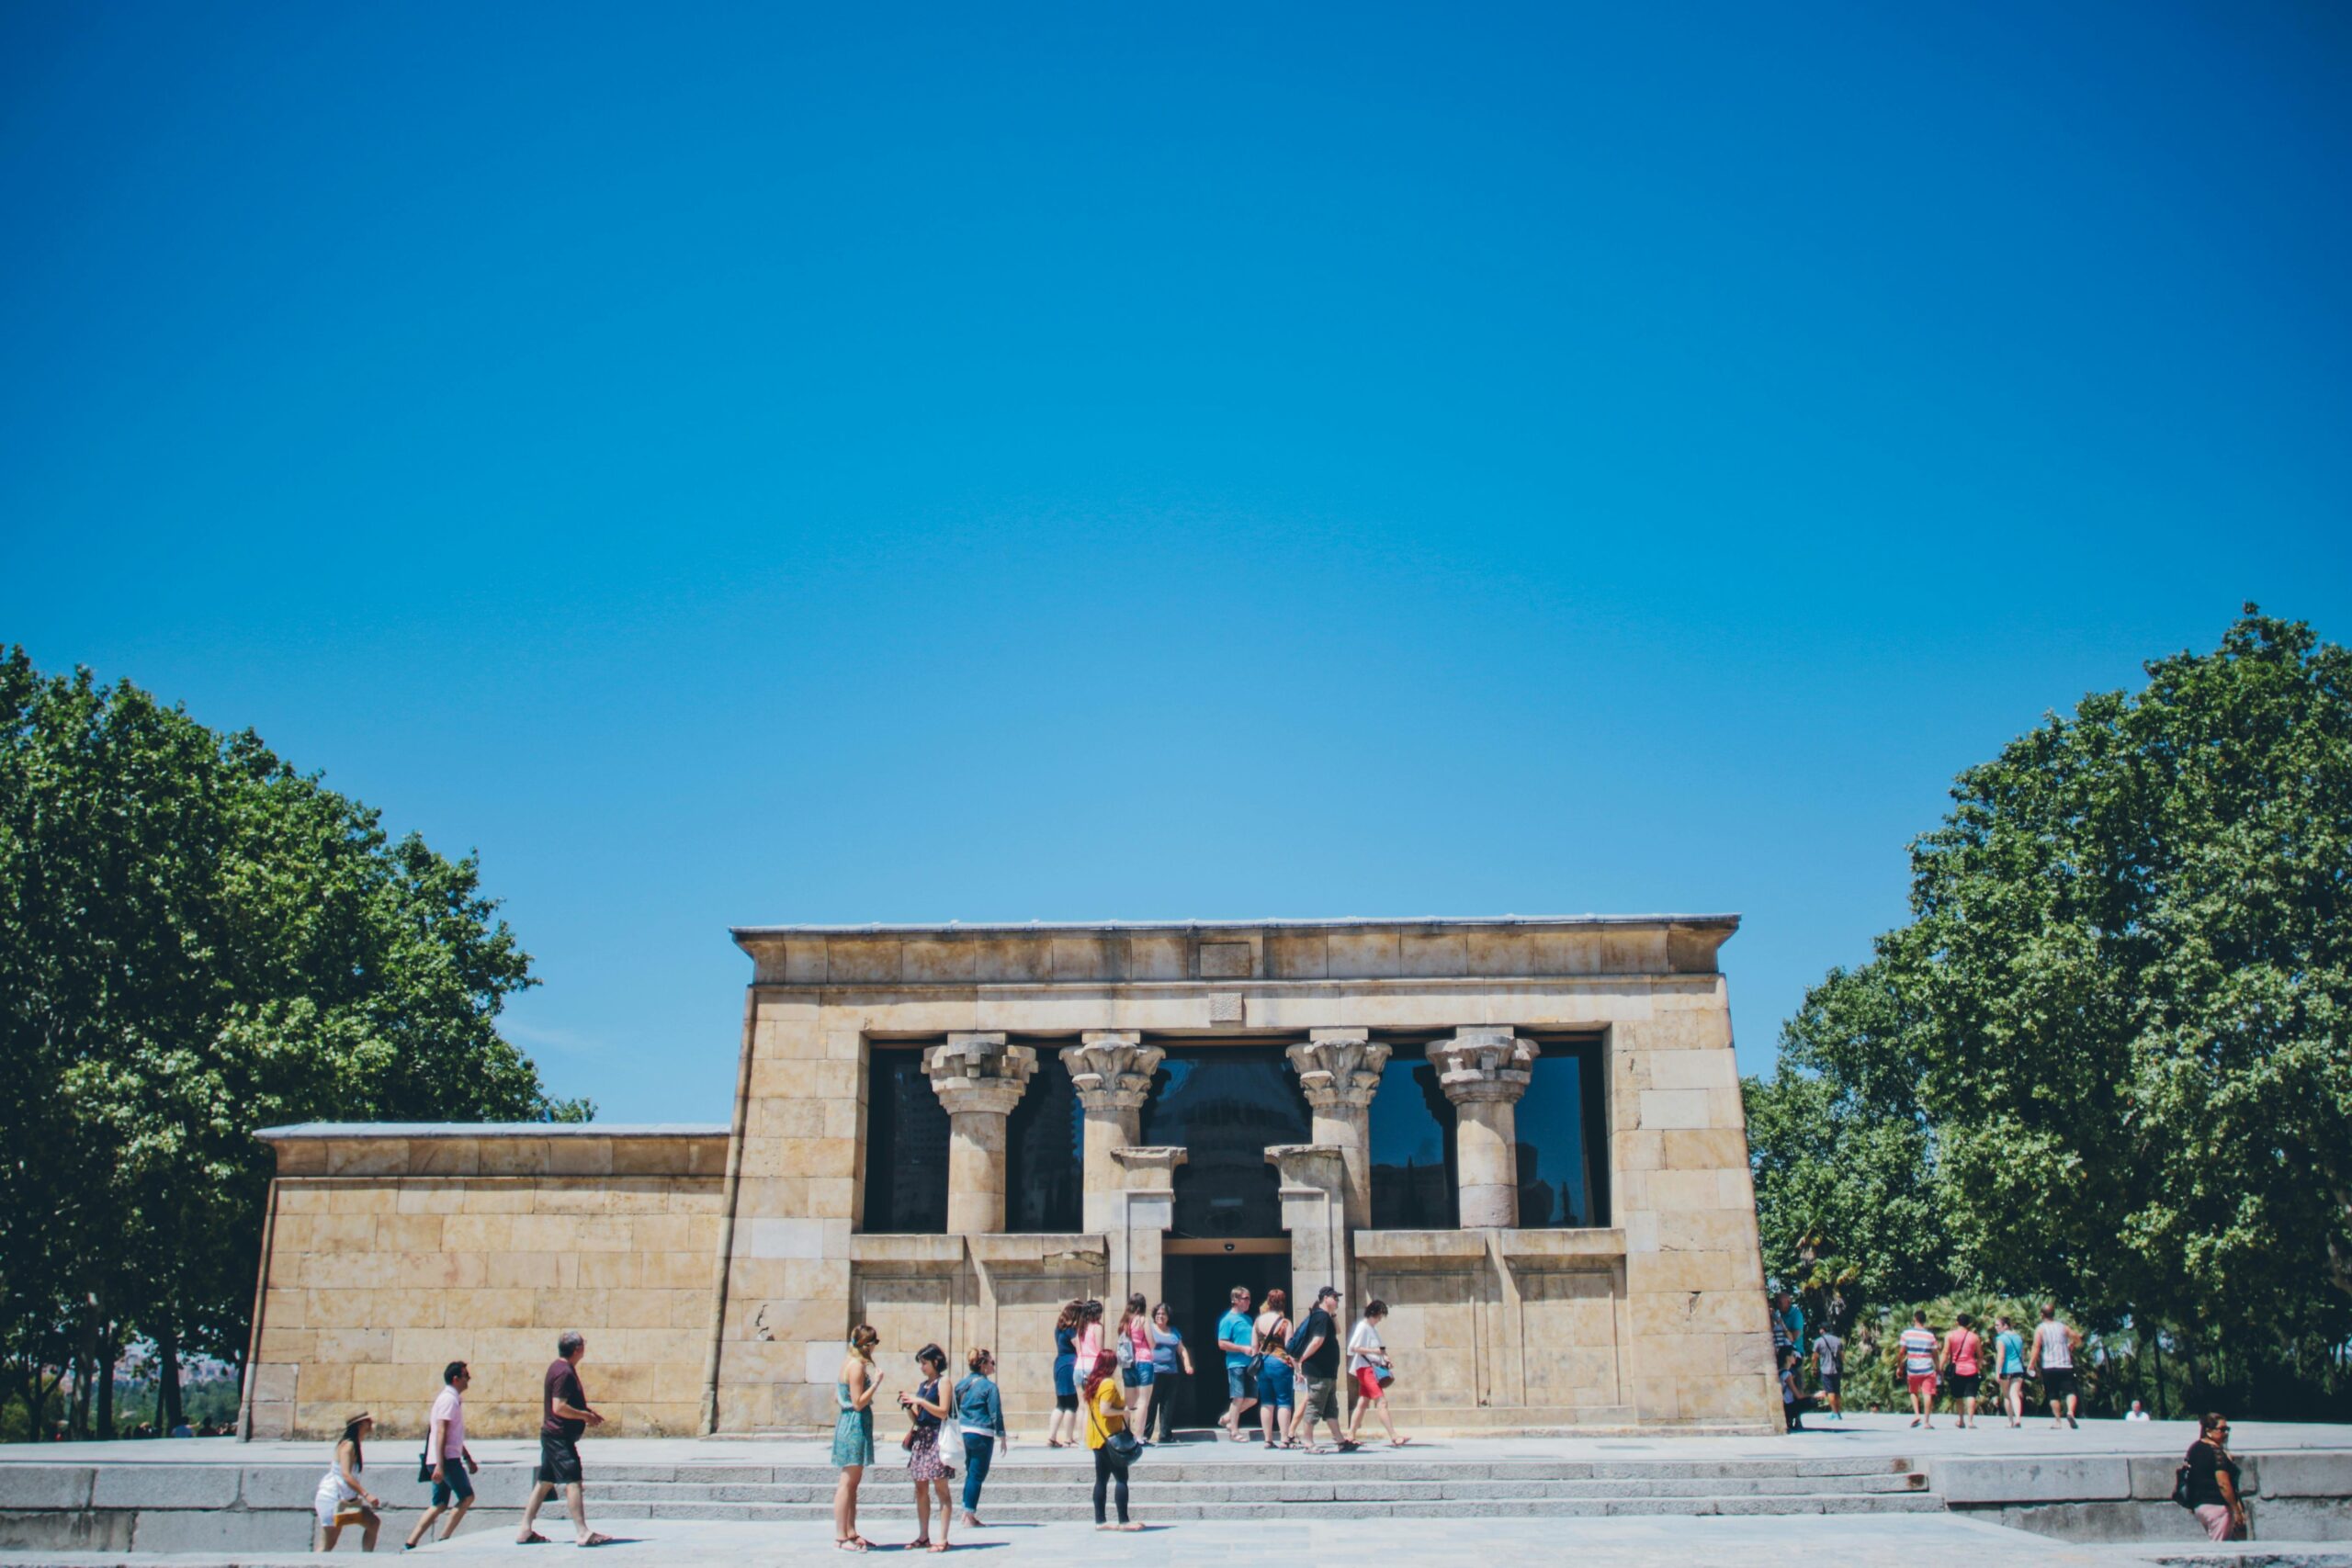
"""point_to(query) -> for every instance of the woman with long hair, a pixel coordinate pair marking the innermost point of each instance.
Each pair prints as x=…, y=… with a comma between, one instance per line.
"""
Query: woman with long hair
x=1106, y=1411
x=854, y=1390
x=929, y=1473
x=1137, y=1374
x=1277, y=1377
x=1090, y=1333
x=1963, y=1365
x=1063, y=1432
x=342, y=1498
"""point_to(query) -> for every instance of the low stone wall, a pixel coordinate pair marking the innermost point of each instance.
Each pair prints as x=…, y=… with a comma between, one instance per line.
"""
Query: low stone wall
x=2115, y=1497
x=390, y=1255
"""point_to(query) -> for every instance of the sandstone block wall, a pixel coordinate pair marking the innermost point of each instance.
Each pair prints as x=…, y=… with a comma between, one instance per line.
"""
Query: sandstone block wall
x=389, y=1255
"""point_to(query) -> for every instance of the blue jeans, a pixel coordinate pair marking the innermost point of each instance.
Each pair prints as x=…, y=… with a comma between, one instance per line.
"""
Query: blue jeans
x=977, y=1451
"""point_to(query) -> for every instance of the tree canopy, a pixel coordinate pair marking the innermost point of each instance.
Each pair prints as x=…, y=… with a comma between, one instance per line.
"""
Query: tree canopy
x=197, y=941
x=2107, y=1058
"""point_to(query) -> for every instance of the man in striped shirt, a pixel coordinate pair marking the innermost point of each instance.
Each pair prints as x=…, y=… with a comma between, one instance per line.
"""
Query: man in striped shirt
x=1920, y=1369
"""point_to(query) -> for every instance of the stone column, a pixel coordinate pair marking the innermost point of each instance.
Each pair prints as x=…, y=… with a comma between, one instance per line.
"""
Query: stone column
x=1339, y=1070
x=1144, y=1208
x=980, y=1079
x=1314, y=1197
x=1484, y=1071
x=1111, y=1069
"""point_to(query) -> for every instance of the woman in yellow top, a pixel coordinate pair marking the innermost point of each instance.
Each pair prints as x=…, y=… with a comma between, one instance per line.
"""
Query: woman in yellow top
x=1106, y=1411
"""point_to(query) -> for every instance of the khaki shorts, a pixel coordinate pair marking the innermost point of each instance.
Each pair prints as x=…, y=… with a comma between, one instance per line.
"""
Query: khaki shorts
x=1322, y=1401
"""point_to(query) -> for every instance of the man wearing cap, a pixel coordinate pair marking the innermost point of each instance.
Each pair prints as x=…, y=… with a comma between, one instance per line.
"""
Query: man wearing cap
x=565, y=1416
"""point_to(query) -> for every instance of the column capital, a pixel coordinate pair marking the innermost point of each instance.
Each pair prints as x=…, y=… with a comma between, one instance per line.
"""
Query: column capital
x=1484, y=1064
x=1150, y=1170
x=1338, y=1068
x=1111, y=1069
x=979, y=1072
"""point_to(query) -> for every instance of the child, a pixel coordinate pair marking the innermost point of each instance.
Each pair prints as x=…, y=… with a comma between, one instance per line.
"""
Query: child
x=1789, y=1396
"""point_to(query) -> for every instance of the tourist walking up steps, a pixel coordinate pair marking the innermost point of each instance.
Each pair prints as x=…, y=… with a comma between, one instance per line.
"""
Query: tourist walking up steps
x=2009, y=1360
x=2053, y=1361
x=930, y=1472
x=564, y=1416
x=1277, y=1384
x=1829, y=1368
x=342, y=1498
x=1063, y=1432
x=979, y=1410
x=1171, y=1361
x=444, y=1452
x=1919, y=1346
x=2213, y=1494
x=1317, y=1351
x=1137, y=1372
x=1964, y=1364
x=853, y=1391
x=1368, y=1364
x=1106, y=1434
x=1236, y=1336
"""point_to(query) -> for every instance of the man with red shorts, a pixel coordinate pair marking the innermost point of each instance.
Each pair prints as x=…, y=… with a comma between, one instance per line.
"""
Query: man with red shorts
x=1920, y=1369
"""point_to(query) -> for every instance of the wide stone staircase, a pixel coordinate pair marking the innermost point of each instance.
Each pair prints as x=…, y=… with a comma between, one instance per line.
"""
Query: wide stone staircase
x=1201, y=1482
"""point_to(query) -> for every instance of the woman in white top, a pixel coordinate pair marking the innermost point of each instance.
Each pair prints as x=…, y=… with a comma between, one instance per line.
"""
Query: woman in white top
x=1368, y=1364
x=342, y=1498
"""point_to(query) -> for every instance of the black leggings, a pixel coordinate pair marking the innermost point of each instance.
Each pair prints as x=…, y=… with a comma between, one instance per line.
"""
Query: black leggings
x=1107, y=1469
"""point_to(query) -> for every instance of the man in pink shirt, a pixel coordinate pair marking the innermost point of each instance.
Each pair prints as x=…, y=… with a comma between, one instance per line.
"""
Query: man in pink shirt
x=445, y=1450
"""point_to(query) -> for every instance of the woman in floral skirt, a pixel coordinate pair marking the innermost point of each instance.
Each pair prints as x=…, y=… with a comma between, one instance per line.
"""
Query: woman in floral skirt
x=930, y=1472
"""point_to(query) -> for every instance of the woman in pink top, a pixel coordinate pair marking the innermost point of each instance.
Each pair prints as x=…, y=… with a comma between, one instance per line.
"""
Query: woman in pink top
x=1090, y=1333
x=1134, y=1365
x=1964, y=1364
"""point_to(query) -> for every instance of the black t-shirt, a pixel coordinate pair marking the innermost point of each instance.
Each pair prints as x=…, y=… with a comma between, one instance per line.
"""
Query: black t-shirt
x=562, y=1382
x=1323, y=1363
x=2204, y=1462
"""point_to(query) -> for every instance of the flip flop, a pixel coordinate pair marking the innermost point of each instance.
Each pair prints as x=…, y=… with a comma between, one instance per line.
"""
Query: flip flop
x=598, y=1539
x=848, y=1543
x=534, y=1539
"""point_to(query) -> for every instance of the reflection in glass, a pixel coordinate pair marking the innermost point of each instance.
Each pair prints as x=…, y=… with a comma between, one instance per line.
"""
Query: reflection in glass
x=1412, y=1148
x=1225, y=1104
x=1561, y=1182
x=906, y=1144
x=1045, y=1181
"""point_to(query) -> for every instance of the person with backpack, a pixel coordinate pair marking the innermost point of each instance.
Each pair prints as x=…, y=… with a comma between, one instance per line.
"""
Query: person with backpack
x=1829, y=1367
x=1315, y=1347
x=1277, y=1380
x=2207, y=1482
x=1106, y=1433
x=1918, y=1348
x=1136, y=1372
x=1962, y=1363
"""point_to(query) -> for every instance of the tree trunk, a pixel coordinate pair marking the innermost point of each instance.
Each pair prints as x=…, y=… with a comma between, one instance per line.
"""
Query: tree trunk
x=109, y=1353
x=167, y=1380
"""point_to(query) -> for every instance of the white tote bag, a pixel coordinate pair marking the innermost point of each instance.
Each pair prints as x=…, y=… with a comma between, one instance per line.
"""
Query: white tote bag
x=951, y=1434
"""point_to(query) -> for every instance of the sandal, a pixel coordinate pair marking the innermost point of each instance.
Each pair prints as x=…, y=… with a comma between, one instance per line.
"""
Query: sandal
x=534, y=1539
x=919, y=1540
x=596, y=1540
x=848, y=1543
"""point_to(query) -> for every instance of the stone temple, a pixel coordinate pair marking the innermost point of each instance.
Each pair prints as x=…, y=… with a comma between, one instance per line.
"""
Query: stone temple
x=1524, y=1135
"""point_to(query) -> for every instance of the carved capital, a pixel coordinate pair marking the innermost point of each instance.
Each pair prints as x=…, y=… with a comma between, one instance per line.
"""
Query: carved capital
x=1484, y=1065
x=979, y=1072
x=1338, y=1068
x=1111, y=1069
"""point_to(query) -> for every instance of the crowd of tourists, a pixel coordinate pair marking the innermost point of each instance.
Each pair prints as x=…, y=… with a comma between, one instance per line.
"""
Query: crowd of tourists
x=1957, y=1364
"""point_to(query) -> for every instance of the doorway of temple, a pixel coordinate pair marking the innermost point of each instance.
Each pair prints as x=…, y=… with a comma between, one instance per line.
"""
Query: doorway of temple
x=1199, y=1284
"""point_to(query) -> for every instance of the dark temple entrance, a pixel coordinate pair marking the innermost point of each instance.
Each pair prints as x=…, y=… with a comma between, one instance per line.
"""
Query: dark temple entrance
x=1199, y=1286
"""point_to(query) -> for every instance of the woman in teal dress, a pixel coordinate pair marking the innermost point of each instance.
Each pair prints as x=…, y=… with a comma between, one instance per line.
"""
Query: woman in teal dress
x=853, y=1434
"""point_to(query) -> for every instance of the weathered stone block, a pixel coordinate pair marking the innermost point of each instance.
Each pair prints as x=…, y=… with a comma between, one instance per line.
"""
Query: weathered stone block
x=2033, y=1479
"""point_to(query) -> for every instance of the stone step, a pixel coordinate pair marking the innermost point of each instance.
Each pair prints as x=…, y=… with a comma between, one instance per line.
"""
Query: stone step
x=1233, y=1464
x=1030, y=1485
x=1149, y=1507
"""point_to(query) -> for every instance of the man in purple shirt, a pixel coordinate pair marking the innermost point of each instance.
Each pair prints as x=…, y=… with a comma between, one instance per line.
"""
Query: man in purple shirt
x=563, y=1417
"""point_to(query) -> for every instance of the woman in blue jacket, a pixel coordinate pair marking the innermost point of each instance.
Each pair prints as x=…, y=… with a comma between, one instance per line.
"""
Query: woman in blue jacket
x=979, y=1411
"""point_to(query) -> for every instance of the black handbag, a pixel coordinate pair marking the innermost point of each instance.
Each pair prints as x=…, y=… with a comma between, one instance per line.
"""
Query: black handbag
x=424, y=1466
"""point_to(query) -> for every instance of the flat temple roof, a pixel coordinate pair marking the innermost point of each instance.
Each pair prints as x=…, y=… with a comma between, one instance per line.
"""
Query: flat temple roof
x=1015, y=928
x=496, y=1130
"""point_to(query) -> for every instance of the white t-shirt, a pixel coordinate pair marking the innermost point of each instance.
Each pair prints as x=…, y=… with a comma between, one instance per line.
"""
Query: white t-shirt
x=1362, y=1337
x=2049, y=1340
x=447, y=1406
x=2137, y=1415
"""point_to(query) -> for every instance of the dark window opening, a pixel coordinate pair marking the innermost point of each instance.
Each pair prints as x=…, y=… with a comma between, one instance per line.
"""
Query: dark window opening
x=1225, y=1105
x=1563, y=1139
x=906, y=1144
x=1045, y=1157
x=1413, y=1180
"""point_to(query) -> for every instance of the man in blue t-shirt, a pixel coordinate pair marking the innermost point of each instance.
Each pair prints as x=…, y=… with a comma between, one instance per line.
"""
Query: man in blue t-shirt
x=1236, y=1332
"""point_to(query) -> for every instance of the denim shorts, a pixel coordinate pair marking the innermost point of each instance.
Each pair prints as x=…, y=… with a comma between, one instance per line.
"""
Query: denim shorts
x=1276, y=1387
x=454, y=1484
x=1137, y=1376
x=1239, y=1384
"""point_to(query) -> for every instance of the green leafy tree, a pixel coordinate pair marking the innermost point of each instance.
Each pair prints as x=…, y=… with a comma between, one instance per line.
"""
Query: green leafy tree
x=196, y=941
x=2118, y=1020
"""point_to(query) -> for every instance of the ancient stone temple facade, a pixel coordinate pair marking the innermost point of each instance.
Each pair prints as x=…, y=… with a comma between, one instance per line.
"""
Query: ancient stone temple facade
x=1523, y=1135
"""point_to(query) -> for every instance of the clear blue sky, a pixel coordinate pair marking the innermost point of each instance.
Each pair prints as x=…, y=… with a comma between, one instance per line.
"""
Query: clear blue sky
x=864, y=463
